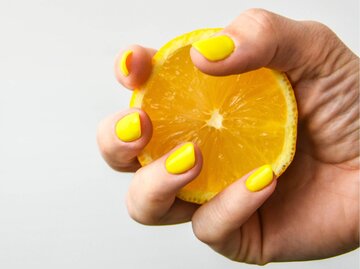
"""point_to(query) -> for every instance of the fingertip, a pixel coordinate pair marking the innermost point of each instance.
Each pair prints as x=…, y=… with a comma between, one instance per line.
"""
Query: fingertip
x=184, y=160
x=133, y=66
x=260, y=178
x=242, y=46
x=144, y=125
x=223, y=67
x=203, y=64
x=215, y=48
x=153, y=190
x=122, y=136
x=125, y=62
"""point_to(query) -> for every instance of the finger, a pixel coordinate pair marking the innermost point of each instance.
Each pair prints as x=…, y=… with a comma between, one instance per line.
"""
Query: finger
x=133, y=66
x=122, y=136
x=218, y=222
x=151, y=196
x=258, y=38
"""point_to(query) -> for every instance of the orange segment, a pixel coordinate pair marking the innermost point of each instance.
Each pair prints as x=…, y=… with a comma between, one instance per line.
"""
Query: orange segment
x=240, y=122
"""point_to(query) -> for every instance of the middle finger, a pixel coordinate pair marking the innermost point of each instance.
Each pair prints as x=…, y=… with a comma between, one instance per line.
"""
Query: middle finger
x=152, y=199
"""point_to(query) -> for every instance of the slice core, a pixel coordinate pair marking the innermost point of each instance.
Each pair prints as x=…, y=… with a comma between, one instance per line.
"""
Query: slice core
x=215, y=120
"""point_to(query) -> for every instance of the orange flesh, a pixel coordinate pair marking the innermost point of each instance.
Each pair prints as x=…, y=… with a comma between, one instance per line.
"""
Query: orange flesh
x=239, y=121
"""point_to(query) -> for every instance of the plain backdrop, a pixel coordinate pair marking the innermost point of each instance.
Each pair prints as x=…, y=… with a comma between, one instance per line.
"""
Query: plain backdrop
x=60, y=205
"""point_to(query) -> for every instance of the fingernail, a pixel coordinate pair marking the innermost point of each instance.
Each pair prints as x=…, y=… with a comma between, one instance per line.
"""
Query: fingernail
x=215, y=48
x=181, y=160
x=260, y=178
x=124, y=62
x=129, y=127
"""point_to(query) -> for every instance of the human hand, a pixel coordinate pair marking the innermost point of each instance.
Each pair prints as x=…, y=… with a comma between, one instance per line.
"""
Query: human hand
x=314, y=210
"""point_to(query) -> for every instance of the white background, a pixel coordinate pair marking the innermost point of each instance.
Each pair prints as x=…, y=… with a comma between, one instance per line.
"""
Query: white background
x=60, y=205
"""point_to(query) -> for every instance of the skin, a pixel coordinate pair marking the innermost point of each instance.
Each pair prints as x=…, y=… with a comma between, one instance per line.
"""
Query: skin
x=312, y=210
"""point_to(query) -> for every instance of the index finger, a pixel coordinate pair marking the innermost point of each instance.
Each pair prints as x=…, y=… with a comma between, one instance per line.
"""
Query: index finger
x=133, y=65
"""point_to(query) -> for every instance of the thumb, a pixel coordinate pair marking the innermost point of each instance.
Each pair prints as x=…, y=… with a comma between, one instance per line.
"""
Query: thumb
x=219, y=222
x=258, y=38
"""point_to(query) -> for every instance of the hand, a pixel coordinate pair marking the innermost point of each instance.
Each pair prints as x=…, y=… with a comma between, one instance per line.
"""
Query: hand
x=314, y=210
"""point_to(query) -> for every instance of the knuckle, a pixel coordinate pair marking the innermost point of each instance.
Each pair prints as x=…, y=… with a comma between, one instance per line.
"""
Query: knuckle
x=206, y=233
x=320, y=30
x=210, y=229
x=153, y=192
x=102, y=140
x=319, y=27
x=201, y=232
x=137, y=214
x=134, y=214
x=117, y=156
x=321, y=34
x=112, y=158
x=131, y=209
x=264, y=18
x=107, y=152
x=257, y=12
x=144, y=201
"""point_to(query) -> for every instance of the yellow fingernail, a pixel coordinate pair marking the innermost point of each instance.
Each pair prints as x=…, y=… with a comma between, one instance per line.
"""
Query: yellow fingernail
x=181, y=160
x=124, y=62
x=215, y=48
x=260, y=178
x=129, y=127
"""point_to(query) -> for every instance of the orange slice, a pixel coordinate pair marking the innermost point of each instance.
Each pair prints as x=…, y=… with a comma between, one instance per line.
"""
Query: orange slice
x=240, y=122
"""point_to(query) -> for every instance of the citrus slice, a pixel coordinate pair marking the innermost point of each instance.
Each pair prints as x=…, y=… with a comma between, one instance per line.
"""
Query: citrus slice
x=240, y=122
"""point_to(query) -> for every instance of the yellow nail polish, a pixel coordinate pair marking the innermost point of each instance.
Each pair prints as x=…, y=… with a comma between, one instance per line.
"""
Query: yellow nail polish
x=215, y=48
x=260, y=178
x=181, y=160
x=124, y=62
x=128, y=128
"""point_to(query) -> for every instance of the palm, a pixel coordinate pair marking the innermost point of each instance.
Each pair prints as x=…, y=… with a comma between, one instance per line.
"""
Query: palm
x=311, y=207
x=314, y=206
